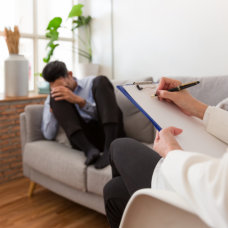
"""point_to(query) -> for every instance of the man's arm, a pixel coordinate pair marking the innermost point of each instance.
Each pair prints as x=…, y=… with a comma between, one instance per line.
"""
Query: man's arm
x=49, y=126
x=63, y=93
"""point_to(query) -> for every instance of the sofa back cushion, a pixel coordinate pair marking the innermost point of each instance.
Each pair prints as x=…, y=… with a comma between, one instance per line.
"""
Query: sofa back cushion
x=136, y=125
x=211, y=90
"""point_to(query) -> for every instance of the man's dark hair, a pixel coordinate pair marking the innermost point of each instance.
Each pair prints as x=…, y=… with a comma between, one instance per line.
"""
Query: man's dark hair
x=54, y=70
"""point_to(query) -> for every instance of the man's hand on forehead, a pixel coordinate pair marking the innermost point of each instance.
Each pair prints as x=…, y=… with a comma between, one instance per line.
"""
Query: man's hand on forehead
x=63, y=93
x=58, y=91
x=59, y=88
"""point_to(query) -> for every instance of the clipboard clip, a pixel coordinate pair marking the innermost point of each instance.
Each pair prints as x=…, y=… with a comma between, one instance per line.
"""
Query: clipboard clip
x=141, y=83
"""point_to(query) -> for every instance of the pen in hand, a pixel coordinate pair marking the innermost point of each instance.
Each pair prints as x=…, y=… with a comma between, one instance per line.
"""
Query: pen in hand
x=181, y=87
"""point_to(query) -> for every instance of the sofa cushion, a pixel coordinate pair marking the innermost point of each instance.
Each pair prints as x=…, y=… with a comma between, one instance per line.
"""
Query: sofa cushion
x=57, y=161
x=97, y=178
x=136, y=125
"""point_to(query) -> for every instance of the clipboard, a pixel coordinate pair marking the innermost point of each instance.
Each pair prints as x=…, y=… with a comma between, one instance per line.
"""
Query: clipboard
x=162, y=114
x=122, y=89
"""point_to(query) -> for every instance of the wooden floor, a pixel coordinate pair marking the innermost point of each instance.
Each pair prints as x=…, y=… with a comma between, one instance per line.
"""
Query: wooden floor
x=44, y=210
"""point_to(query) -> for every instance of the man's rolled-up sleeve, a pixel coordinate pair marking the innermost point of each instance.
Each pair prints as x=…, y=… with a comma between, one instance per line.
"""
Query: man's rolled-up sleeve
x=90, y=109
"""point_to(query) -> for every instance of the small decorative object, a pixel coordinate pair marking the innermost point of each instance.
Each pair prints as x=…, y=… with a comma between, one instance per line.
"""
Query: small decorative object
x=43, y=86
x=16, y=66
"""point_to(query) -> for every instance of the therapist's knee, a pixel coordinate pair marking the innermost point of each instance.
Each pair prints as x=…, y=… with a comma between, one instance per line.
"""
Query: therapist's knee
x=120, y=148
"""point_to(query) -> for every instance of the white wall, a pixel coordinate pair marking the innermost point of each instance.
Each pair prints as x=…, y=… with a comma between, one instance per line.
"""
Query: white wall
x=100, y=10
x=166, y=37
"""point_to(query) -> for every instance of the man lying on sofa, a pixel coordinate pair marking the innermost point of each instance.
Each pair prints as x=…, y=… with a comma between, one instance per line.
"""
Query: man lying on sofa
x=86, y=109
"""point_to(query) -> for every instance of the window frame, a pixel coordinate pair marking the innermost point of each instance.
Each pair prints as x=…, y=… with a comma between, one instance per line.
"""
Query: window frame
x=35, y=37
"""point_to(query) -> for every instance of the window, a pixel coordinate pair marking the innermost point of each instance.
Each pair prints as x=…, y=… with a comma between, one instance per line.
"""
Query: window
x=32, y=17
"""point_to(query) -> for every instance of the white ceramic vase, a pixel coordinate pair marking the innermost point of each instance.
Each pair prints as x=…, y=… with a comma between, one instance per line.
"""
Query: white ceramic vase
x=16, y=76
x=87, y=69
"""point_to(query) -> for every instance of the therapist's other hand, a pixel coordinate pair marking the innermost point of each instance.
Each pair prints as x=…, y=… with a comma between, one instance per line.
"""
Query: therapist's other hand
x=165, y=141
x=187, y=104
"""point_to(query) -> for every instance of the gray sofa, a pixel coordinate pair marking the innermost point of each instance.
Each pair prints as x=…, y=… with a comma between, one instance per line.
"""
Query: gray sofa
x=56, y=166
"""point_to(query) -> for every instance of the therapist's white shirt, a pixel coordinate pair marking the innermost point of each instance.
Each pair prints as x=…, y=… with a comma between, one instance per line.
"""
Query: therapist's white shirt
x=201, y=180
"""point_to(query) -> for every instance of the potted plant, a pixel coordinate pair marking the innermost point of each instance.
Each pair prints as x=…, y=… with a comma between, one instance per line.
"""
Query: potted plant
x=84, y=48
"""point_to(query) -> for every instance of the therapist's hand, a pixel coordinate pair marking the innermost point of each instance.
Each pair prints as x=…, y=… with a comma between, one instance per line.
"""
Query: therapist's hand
x=165, y=141
x=187, y=104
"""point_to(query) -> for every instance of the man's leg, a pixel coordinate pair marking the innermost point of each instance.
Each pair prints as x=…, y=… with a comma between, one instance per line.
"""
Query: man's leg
x=69, y=119
x=95, y=134
x=134, y=163
x=109, y=115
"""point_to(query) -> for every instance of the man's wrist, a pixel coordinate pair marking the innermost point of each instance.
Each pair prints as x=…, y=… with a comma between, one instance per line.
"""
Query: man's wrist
x=79, y=101
x=82, y=103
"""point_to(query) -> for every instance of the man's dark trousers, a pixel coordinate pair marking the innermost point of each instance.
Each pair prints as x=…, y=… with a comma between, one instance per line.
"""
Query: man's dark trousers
x=108, y=112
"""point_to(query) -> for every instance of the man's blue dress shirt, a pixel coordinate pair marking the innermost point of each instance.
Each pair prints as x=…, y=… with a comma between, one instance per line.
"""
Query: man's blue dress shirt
x=50, y=125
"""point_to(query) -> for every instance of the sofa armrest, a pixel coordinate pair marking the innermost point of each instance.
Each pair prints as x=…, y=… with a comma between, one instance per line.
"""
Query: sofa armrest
x=33, y=119
x=148, y=208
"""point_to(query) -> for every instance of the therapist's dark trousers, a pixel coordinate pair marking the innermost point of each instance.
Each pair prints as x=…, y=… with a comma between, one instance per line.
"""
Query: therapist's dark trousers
x=107, y=110
x=132, y=168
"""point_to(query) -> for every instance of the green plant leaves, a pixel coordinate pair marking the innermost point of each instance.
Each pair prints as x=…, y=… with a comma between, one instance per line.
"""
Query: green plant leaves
x=51, y=49
x=76, y=11
x=81, y=21
x=54, y=24
x=52, y=34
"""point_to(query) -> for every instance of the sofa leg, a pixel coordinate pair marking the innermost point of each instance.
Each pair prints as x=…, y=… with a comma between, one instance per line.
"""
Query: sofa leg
x=32, y=187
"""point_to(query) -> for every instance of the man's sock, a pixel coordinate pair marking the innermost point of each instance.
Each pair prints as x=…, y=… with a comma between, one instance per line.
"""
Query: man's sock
x=80, y=141
x=111, y=133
